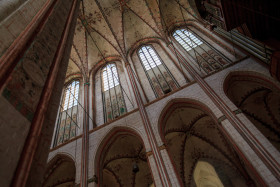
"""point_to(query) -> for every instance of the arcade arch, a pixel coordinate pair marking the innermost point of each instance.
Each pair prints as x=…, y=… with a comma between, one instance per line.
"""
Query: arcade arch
x=60, y=172
x=259, y=99
x=196, y=144
x=122, y=160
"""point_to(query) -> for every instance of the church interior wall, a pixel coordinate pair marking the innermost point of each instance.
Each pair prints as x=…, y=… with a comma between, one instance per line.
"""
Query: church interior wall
x=16, y=129
x=15, y=15
x=255, y=151
x=247, y=67
x=194, y=92
x=17, y=112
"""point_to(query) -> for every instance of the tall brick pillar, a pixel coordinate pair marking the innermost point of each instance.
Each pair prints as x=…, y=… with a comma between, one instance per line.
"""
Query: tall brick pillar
x=32, y=73
x=161, y=177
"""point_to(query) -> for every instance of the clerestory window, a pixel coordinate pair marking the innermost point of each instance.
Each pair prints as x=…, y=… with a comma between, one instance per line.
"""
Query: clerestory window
x=205, y=55
x=67, y=118
x=158, y=74
x=186, y=39
x=71, y=95
x=113, y=100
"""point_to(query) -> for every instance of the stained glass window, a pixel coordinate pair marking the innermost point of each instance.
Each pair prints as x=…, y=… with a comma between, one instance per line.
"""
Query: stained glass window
x=67, y=118
x=205, y=55
x=110, y=77
x=113, y=100
x=186, y=39
x=71, y=95
x=160, y=78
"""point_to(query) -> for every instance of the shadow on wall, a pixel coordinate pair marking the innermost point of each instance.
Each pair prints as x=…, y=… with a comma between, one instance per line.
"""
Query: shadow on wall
x=60, y=171
x=259, y=100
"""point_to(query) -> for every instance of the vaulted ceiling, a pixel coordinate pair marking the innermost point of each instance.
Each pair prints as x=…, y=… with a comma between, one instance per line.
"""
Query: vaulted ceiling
x=118, y=161
x=109, y=28
x=191, y=136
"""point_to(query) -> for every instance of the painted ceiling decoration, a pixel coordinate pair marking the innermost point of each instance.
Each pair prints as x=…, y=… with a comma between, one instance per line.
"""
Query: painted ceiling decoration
x=108, y=28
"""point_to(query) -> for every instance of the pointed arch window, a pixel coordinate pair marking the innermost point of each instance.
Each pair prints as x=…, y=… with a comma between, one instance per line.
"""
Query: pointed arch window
x=113, y=100
x=158, y=74
x=186, y=39
x=206, y=56
x=71, y=95
x=67, y=118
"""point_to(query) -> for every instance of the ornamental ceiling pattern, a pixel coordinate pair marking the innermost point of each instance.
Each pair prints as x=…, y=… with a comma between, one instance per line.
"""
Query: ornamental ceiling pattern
x=107, y=28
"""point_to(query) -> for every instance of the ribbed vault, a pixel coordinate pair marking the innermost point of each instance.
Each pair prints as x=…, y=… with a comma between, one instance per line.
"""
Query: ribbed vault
x=111, y=27
x=60, y=172
x=191, y=135
x=259, y=101
x=117, y=159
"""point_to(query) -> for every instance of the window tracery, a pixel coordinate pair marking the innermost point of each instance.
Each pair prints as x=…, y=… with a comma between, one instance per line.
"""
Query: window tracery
x=207, y=57
x=113, y=100
x=67, y=118
x=158, y=74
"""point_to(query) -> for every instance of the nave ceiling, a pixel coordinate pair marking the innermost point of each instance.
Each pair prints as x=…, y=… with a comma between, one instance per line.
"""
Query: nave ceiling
x=109, y=28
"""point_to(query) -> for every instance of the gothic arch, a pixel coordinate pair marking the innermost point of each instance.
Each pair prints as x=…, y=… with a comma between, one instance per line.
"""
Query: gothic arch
x=103, y=63
x=258, y=97
x=116, y=156
x=178, y=25
x=68, y=114
x=144, y=41
x=61, y=171
x=71, y=77
x=204, y=34
x=191, y=134
x=162, y=78
x=119, y=95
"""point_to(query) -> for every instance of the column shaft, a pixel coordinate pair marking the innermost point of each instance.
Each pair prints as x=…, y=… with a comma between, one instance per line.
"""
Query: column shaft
x=164, y=178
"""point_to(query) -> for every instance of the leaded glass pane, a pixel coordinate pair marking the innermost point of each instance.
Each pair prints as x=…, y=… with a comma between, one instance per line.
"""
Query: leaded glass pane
x=156, y=71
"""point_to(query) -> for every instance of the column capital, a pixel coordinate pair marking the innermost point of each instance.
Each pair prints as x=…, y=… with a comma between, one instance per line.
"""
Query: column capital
x=149, y=153
x=163, y=146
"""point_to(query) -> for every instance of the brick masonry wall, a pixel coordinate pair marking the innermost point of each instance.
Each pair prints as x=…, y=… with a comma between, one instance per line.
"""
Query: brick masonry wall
x=194, y=92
